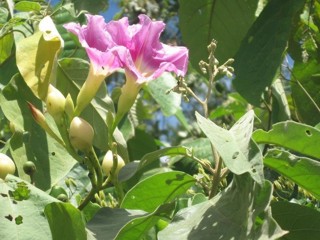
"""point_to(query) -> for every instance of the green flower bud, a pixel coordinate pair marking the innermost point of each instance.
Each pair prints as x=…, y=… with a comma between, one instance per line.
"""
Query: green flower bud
x=81, y=134
x=55, y=103
x=6, y=166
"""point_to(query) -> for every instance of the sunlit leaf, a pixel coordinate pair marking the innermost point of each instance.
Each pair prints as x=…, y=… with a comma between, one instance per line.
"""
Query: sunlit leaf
x=156, y=190
x=232, y=214
x=30, y=142
x=65, y=221
x=301, y=170
x=37, y=68
x=239, y=154
x=292, y=135
x=27, y=219
x=168, y=101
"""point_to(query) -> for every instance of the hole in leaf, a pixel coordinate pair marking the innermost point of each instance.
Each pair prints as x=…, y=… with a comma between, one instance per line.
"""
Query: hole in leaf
x=235, y=155
x=254, y=170
x=53, y=153
x=9, y=217
x=308, y=132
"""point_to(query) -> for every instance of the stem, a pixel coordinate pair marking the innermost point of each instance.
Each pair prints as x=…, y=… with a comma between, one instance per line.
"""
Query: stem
x=217, y=175
x=93, y=190
x=96, y=166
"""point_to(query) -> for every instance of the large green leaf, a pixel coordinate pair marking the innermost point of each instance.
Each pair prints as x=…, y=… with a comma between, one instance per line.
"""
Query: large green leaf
x=292, y=135
x=239, y=154
x=225, y=21
x=34, y=224
x=158, y=189
x=65, y=221
x=260, y=53
x=134, y=170
x=39, y=70
x=305, y=86
x=108, y=221
x=302, y=222
x=139, y=227
x=240, y=212
x=30, y=142
x=168, y=101
x=301, y=170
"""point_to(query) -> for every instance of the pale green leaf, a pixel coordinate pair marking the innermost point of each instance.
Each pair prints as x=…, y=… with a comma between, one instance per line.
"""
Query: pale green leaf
x=168, y=101
x=232, y=214
x=292, y=135
x=34, y=224
x=301, y=170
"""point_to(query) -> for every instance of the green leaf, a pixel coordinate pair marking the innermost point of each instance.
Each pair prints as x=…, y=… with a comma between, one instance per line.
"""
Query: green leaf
x=108, y=221
x=141, y=144
x=261, y=51
x=94, y=6
x=139, y=227
x=158, y=189
x=225, y=21
x=28, y=220
x=30, y=142
x=200, y=148
x=39, y=70
x=232, y=214
x=302, y=222
x=305, y=91
x=292, y=135
x=4, y=15
x=168, y=101
x=301, y=170
x=280, y=106
x=6, y=43
x=239, y=154
x=27, y=6
x=133, y=171
x=65, y=221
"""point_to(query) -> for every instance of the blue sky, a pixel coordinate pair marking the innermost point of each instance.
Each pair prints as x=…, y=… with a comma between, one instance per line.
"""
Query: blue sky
x=108, y=15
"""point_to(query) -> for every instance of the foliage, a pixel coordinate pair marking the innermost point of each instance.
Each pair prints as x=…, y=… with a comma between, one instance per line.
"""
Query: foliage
x=228, y=151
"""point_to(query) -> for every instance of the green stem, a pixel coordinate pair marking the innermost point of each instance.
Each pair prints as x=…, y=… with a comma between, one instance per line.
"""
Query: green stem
x=96, y=166
x=217, y=175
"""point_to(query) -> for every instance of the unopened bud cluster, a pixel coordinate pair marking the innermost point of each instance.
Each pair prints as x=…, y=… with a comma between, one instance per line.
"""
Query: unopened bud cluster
x=213, y=63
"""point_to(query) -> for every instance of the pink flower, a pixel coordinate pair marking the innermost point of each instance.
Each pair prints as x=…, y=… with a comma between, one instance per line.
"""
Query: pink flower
x=136, y=48
x=102, y=52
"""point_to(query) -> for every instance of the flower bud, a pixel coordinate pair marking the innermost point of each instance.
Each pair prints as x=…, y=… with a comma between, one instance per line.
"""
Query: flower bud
x=6, y=166
x=81, y=134
x=69, y=108
x=107, y=163
x=55, y=103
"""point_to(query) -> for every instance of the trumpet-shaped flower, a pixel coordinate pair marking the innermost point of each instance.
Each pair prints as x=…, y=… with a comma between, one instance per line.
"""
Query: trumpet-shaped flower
x=102, y=52
x=136, y=48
